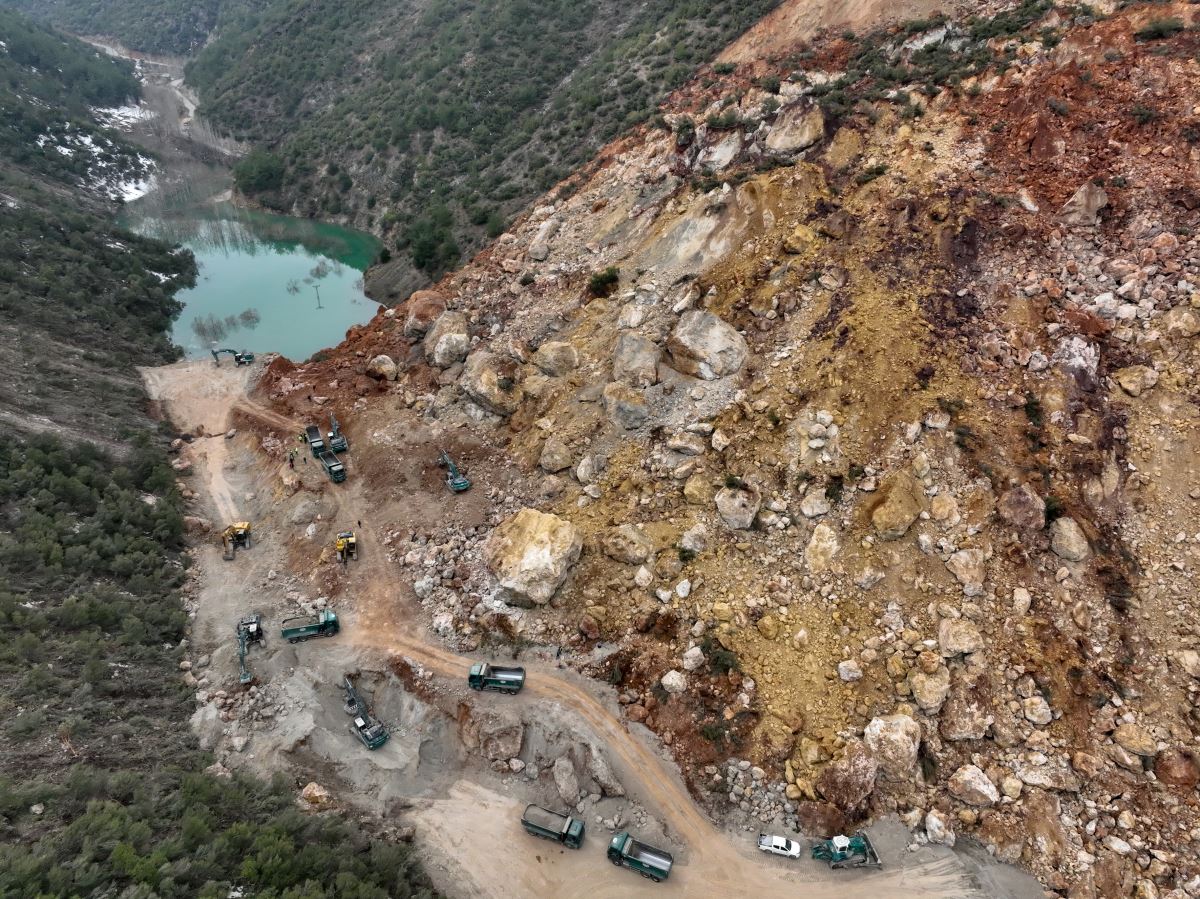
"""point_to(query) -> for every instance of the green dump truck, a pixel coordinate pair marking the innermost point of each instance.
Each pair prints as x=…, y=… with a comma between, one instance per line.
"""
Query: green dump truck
x=490, y=677
x=297, y=630
x=316, y=443
x=624, y=851
x=333, y=467
x=541, y=822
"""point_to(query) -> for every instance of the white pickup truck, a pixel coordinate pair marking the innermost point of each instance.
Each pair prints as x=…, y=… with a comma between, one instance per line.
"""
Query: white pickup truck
x=779, y=846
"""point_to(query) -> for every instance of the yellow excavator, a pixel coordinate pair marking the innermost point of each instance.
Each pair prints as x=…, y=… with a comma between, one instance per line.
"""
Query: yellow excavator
x=234, y=537
x=346, y=546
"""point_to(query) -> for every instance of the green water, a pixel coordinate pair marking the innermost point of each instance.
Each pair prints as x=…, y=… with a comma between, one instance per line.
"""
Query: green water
x=267, y=283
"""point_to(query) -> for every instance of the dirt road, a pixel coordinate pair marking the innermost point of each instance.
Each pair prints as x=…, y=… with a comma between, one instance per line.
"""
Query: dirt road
x=386, y=619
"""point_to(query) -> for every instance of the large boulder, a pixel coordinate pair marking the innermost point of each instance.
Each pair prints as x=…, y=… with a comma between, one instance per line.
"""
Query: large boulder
x=556, y=358
x=894, y=741
x=492, y=382
x=1022, y=508
x=556, y=455
x=635, y=360
x=822, y=546
x=929, y=681
x=494, y=734
x=565, y=780
x=382, y=368
x=1135, y=739
x=447, y=340
x=423, y=307
x=626, y=406
x=627, y=544
x=704, y=346
x=1068, y=540
x=1178, y=767
x=820, y=819
x=972, y=786
x=848, y=781
x=968, y=566
x=530, y=554
x=1083, y=209
x=900, y=503
x=958, y=636
x=738, y=506
x=797, y=127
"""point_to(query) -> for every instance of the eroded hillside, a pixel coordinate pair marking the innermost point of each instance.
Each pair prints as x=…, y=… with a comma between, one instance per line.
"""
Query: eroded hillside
x=847, y=425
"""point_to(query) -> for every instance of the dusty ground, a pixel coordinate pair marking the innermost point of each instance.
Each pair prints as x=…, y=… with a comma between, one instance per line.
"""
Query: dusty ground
x=425, y=765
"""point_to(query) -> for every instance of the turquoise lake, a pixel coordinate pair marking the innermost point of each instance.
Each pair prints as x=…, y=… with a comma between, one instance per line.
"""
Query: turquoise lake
x=267, y=283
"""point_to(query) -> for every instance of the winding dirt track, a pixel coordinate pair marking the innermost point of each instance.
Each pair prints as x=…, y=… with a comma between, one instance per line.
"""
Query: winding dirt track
x=386, y=623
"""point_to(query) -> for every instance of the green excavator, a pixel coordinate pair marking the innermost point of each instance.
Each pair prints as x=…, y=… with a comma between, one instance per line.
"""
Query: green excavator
x=239, y=358
x=337, y=440
x=372, y=733
x=249, y=631
x=455, y=479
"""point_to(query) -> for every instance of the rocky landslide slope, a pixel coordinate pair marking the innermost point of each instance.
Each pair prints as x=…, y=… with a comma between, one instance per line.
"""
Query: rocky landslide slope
x=847, y=425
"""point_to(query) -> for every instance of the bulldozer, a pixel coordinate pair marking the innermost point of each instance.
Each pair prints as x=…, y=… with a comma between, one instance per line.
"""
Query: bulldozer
x=848, y=852
x=346, y=546
x=249, y=630
x=234, y=537
x=455, y=479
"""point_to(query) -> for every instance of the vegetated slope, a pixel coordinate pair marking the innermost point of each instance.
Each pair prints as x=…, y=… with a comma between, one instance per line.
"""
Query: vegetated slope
x=879, y=445
x=432, y=121
x=103, y=788
x=83, y=301
x=174, y=27
x=102, y=785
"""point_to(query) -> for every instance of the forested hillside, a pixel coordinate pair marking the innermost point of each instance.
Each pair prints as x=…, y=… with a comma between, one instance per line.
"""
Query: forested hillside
x=174, y=27
x=103, y=789
x=432, y=121
x=429, y=122
x=82, y=300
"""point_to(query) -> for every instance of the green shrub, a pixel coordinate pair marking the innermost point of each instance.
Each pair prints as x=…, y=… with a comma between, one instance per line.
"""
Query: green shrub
x=602, y=283
x=1143, y=115
x=258, y=173
x=1158, y=29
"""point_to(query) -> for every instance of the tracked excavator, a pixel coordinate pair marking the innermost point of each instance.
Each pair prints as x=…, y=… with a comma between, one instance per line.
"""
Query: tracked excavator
x=346, y=546
x=239, y=358
x=337, y=440
x=455, y=479
x=372, y=733
x=235, y=537
x=249, y=630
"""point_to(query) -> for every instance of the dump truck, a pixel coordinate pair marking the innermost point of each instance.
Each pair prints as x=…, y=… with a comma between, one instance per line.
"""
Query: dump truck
x=301, y=628
x=490, y=677
x=346, y=546
x=335, y=469
x=236, y=536
x=372, y=733
x=627, y=852
x=848, y=852
x=316, y=443
x=455, y=479
x=337, y=440
x=541, y=822
x=249, y=630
